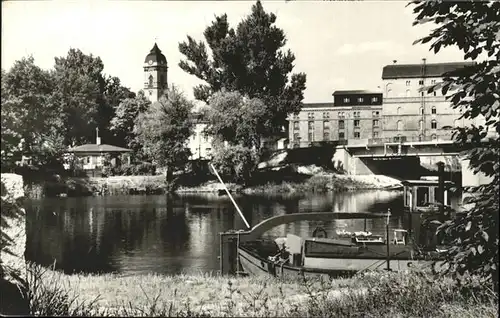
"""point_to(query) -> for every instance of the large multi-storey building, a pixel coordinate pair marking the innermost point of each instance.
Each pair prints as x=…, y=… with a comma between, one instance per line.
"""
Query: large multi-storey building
x=351, y=115
x=404, y=111
x=409, y=112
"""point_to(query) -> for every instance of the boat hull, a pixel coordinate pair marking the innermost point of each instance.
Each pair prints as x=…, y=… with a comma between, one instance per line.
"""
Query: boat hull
x=254, y=264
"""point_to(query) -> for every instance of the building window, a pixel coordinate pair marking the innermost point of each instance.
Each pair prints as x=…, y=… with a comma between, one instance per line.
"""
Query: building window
x=375, y=113
x=421, y=93
x=88, y=159
x=421, y=82
x=374, y=99
x=310, y=125
x=435, y=94
x=150, y=80
x=408, y=93
x=375, y=123
x=433, y=124
x=434, y=137
x=356, y=123
x=341, y=124
x=326, y=136
x=310, y=115
x=420, y=137
x=389, y=92
x=311, y=136
x=433, y=82
x=421, y=124
x=433, y=110
x=400, y=125
x=360, y=99
x=347, y=99
x=296, y=136
x=150, y=93
x=357, y=114
x=356, y=135
x=421, y=110
x=295, y=116
x=341, y=135
x=375, y=134
x=295, y=125
x=326, y=115
x=326, y=125
x=399, y=111
x=408, y=83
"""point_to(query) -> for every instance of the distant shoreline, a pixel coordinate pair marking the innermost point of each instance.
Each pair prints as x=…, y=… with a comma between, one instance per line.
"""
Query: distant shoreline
x=144, y=185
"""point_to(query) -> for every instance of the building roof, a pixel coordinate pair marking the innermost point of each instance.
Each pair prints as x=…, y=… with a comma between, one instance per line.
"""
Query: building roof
x=98, y=148
x=415, y=70
x=353, y=92
x=155, y=56
x=318, y=105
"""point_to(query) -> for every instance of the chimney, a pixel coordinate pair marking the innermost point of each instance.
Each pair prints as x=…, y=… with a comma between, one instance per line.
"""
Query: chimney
x=97, y=139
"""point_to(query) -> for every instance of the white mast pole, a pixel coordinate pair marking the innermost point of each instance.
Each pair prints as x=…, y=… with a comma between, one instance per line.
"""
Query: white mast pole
x=230, y=196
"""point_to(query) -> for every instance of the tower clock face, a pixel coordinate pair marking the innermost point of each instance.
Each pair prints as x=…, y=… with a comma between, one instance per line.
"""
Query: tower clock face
x=150, y=62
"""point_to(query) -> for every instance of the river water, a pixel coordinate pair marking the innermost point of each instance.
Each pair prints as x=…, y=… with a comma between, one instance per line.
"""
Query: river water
x=179, y=234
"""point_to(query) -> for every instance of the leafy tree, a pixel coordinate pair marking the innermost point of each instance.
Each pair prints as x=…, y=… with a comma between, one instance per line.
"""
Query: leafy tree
x=77, y=93
x=235, y=162
x=249, y=60
x=473, y=27
x=236, y=119
x=164, y=128
x=30, y=118
x=86, y=96
x=122, y=124
x=113, y=94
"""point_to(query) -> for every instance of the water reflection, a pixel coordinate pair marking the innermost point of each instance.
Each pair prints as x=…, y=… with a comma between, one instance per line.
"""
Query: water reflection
x=160, y=234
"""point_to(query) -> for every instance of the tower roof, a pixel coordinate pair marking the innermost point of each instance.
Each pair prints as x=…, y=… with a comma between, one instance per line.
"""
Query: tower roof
x=155, y=56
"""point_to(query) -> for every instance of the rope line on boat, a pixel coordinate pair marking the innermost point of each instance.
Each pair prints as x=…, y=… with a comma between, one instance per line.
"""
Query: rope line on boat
x=379, y=262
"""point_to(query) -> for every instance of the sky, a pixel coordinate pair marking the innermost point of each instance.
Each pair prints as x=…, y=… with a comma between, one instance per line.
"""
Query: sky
x=338, y=44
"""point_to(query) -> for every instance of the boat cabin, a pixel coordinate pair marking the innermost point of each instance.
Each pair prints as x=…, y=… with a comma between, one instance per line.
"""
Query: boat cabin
x=423, y=195
x=323, y=252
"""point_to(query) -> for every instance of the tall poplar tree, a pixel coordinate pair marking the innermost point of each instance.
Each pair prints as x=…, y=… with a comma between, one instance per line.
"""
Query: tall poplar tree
x=249, y=59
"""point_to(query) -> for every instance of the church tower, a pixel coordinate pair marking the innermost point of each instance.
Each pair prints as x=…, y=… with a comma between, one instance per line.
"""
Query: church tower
x=155, y=74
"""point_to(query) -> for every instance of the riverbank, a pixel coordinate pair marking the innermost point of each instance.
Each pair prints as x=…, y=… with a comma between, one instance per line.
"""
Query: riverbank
x=130, y=185
x=370, y=295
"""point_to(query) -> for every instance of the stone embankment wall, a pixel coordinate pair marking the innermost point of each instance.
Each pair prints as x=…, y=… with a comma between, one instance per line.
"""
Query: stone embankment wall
x=13, y=245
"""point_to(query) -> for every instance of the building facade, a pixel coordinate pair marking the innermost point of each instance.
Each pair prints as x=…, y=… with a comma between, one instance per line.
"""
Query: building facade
x=199, y=143
x=155, y=74
x=410, y=113
x=353, y=115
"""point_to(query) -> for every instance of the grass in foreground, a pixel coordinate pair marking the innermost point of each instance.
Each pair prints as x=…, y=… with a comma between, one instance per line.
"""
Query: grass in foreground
x=370, y=295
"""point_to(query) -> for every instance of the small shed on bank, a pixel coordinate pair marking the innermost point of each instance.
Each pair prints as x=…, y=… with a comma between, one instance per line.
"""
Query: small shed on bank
x=90, y=157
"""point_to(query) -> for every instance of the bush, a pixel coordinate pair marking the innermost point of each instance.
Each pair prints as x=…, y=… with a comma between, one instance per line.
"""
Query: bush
x=145, y=169
x=142, y=169
x=235, y=163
